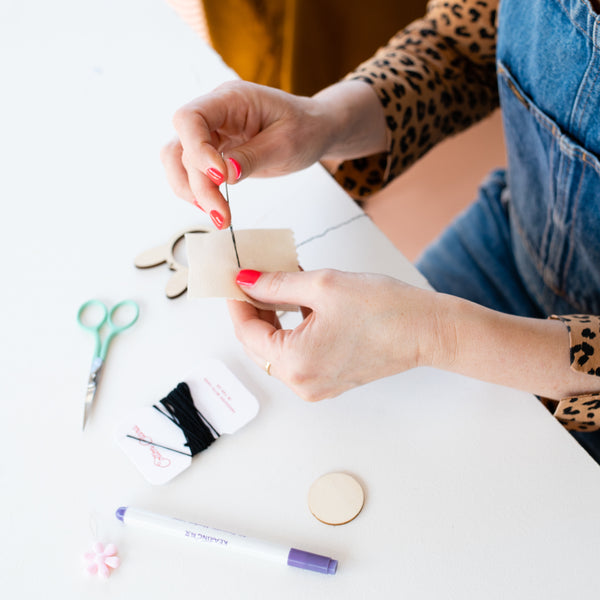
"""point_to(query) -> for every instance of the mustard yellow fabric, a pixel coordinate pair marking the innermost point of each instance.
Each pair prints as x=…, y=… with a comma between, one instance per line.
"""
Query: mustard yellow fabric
x=302, y=46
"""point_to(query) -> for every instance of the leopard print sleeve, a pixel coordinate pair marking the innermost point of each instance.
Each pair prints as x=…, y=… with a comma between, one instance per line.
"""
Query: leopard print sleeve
x=581, y=413
x=434, y=78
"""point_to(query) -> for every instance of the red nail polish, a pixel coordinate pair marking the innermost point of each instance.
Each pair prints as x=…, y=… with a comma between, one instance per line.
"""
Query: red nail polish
x=215, y=176
x=217, y=218
x=197, y=205
x=236, y=167
x=247, y=277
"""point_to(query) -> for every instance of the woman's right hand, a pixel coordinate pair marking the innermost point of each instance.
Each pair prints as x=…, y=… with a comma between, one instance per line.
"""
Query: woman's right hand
x=243, y=129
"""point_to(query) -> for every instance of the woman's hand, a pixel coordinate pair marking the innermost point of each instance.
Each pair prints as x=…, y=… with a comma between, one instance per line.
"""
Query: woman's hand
x=243, y=129
x=260, y=131
x=356, y=328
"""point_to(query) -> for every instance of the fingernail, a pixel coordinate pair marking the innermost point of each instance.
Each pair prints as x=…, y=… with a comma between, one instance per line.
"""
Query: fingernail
x=197, y=205
x=215, y=176
x=236, y=167
x=247, y=277
x=217, y=218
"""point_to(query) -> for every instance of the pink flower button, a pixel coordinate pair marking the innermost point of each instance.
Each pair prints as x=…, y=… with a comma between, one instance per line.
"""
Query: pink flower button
x=101, y=559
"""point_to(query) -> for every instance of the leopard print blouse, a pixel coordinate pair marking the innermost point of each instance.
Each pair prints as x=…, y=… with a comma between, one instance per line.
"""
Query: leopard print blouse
x=582, y=412
x=434, y=78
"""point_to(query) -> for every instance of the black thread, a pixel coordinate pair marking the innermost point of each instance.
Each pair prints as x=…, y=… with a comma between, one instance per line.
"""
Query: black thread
x=332, y=228
x=180, y=409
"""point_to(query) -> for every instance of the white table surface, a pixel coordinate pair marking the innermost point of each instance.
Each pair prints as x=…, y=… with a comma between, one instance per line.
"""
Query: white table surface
x=463, y=500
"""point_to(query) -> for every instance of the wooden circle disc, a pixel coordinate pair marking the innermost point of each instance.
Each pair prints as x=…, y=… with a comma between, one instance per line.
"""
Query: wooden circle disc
x=335, y=498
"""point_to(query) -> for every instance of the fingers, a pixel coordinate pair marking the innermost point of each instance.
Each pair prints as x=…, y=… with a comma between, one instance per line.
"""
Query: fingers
x=240, y=129
x=195, y=123
x=262, y=155
x=350, y=337
x=262, y=339
x=195, y=167
x=212, y=124
x=206, y=194
x=256, y=330
x=188, y=183
x=170, y=156
x=303, y=309
x=233, y=119
x=299, y=288
x=296, y=355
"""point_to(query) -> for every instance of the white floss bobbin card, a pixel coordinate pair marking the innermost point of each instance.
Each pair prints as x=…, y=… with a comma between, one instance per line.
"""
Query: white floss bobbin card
x=161, y=439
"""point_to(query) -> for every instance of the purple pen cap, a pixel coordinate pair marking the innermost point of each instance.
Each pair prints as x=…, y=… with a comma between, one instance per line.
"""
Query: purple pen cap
x=312, y=562
x=120, y=513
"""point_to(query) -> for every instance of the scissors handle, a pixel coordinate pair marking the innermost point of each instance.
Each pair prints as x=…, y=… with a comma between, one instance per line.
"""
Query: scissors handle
x=115, y=328
x=95, y=325
x=109, y=318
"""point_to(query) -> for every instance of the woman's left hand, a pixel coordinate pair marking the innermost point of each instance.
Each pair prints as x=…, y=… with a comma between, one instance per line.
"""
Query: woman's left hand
x=356, y=328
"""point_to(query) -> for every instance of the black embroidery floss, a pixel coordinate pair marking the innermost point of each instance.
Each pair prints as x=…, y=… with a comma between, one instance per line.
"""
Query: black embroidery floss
x=180, y=409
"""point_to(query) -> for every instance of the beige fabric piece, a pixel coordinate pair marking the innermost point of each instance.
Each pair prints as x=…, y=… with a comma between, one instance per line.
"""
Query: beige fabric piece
x=213, y=266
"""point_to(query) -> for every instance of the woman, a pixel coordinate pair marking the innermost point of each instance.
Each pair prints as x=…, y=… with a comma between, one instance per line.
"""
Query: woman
x=527, y=249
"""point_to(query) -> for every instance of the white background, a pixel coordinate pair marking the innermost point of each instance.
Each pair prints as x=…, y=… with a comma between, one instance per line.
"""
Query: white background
x=472, y=491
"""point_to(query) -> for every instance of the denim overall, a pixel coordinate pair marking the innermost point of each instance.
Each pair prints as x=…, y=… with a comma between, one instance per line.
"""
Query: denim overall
x=530, y=244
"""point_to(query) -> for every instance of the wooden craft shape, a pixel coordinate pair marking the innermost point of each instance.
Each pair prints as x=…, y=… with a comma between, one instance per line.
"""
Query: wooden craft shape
x=165, y=253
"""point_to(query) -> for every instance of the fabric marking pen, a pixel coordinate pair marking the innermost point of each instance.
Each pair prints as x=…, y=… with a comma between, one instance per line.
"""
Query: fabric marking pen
x=207, y=536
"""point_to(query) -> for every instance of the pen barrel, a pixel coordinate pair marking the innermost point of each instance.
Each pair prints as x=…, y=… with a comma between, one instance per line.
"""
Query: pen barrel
x=207, y=536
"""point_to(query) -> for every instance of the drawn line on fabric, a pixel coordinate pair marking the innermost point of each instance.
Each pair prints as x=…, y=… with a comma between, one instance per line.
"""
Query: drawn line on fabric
x=332, y=228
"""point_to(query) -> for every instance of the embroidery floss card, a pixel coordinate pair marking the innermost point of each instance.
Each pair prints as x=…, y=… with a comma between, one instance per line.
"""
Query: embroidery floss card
x=160, y=440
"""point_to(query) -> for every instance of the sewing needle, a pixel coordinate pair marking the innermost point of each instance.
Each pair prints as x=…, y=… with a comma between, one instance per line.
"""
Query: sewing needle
x=231, y=229
x=157, y=445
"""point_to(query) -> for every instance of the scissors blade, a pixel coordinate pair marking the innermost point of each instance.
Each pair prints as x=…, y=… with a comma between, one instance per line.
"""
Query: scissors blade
x=231, y=230
x=92, y=386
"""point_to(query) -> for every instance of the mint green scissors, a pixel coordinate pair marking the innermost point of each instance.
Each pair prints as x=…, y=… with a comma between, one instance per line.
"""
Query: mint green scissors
x=101, y=348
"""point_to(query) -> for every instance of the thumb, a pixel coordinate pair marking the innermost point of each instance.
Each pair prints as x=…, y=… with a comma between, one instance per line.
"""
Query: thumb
x=264, y=155
x=253, y=157
x=279, y=287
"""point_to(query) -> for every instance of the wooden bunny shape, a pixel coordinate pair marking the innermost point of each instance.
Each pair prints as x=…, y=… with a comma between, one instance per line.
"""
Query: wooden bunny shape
x=177, y=284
